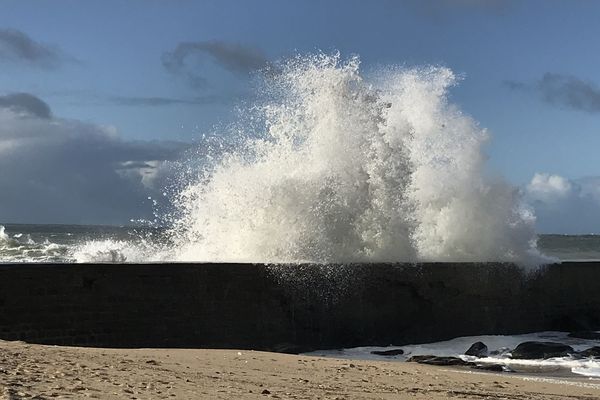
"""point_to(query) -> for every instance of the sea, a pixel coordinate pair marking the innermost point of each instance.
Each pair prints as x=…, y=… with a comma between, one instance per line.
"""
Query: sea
x=30, y=243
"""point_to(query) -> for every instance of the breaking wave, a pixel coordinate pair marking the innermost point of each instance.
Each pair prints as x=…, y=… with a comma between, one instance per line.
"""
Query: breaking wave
x=337, y=167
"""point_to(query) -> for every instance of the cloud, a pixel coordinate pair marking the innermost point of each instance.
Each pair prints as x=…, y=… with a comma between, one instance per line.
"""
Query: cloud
x=24, y=103
x=56, y=170
x=563, y=205
x=16, y=46
x=563, y=91
x=548, y=187
x=233, y=57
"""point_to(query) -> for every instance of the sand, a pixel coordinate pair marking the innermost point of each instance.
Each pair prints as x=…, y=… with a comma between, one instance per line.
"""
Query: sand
x=46, y=372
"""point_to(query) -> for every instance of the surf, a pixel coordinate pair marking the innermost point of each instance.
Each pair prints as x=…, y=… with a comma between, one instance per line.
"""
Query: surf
x=339, y=166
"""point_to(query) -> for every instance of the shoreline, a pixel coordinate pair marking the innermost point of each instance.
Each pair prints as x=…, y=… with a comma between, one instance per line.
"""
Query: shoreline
x=45, y=372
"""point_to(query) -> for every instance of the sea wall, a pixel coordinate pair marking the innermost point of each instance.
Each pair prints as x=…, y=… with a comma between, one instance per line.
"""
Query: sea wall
x=289, y=308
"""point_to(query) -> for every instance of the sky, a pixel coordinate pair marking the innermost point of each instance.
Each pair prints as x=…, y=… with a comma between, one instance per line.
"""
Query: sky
x=99, y=98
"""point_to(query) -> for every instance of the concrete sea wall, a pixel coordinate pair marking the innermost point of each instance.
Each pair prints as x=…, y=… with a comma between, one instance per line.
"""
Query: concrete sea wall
x=290, y=308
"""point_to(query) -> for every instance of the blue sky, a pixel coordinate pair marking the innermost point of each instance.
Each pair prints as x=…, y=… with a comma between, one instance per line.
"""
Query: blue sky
x=531, y=68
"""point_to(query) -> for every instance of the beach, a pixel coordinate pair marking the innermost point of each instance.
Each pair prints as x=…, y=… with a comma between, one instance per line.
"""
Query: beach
x=46, y=372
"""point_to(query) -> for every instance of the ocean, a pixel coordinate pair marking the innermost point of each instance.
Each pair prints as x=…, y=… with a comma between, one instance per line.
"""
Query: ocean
x=93, y=243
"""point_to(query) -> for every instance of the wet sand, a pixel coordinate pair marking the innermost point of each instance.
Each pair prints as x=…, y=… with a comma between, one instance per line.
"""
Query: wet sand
x=47, y=372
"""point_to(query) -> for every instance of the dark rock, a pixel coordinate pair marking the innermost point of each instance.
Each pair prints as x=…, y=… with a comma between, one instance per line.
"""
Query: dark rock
x=590, y=335
x=591, y=352
x=477, y=349
x=490, y=367
x=388, y=353
x=435, y=360
x=541, y=350
x=290, y=348
x=265, y=391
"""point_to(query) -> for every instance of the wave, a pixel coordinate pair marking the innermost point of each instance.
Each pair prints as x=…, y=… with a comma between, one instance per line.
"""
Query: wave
x=22, y=248
x=333, y=166
x=118, y=251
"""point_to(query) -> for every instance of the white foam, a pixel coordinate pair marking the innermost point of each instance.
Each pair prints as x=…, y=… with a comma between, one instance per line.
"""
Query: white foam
x=117, y=251
x=343, y=168
x=3, y=236
x=503, y=344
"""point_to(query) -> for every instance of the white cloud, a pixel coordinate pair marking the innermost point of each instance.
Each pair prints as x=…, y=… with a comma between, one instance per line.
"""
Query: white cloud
x=548, y=187
x=563, y=205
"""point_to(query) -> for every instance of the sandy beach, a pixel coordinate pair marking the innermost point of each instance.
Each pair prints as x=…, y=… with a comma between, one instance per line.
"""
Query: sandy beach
x=45, y=372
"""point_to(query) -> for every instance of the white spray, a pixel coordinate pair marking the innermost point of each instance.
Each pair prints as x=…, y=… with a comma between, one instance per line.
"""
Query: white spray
x=348, y=170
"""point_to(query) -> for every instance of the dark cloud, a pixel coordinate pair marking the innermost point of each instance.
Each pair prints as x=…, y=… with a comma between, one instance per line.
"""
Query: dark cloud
x=570, y=92
x=564, y=91
x=233, y=57
x=16, y=46
x=25, y=103
x=55, y=170
x=165, y=101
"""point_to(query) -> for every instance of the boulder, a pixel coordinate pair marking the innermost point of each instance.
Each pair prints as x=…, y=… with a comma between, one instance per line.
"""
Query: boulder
x=477, y=349
x=540, y=350
x=443, y=361
x=388, y=353
x=591, y=352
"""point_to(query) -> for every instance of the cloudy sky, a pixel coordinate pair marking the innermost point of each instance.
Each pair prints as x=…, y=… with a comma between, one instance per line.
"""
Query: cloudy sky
x=99, y=98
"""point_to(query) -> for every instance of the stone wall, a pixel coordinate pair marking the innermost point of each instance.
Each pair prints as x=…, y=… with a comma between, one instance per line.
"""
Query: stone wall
x=289, y=308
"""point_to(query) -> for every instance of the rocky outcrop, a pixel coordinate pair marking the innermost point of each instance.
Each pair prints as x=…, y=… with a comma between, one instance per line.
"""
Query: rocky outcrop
x=477, y=349
x=388, y=353
x=541, y=350
x=591, y=352
x=442, y=361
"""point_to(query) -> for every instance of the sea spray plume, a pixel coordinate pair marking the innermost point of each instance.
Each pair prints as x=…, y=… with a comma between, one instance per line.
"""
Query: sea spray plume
x=460, y=214
x=312, y=186
x=346, y=170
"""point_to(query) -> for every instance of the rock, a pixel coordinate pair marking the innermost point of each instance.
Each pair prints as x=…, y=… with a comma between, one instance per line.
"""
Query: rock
x=540, y=350
x=490, y=367
x=591, y=352
x=265, y=391
x=435, y=360
x=590, y=335
x=477, y=349
x=388, y=353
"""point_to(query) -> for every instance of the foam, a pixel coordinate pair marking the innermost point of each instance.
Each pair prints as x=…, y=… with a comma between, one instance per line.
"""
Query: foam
x=338, y=167
x=589, y=367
